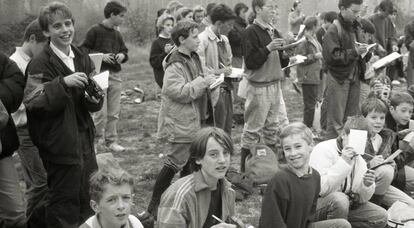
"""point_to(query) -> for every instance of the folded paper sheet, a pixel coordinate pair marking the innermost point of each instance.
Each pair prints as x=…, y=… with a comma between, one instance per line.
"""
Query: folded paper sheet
x=97, y=60
x=102, y=79
x=357, y=139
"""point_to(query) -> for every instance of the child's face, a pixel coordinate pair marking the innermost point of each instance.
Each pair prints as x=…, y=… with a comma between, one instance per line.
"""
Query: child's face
x=192, y=41
x=402, y=113
x=118, y=19
x=376, y=121
x=167, y=26
x=61, y=32
x=198, y=17
x=189, y=16
x=216, y=160
x=115, y=205
x=297, y=152
x=225, y=27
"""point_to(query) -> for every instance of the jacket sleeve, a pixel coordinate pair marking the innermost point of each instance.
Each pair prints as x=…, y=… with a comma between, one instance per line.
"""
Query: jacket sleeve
x=333, y=53
x=235, y=37
x=274, y=208
x=365, y=192
x=176, y=87
x=4, y=117
x=45, y=93
x=201, y=51
x=157, y=55
x=171, y=214
x=332, y=173
x=254, y=55
x=12, y=83
x=409, y=36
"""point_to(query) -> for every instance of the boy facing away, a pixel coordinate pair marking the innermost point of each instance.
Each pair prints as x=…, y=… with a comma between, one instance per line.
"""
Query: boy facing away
x=111, y=191
x=58, y=118
x=33, y=171
x=291, y=196
x=105, y=38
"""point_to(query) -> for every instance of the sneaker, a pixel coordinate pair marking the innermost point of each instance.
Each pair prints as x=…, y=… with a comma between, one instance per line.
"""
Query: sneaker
x=116, y=147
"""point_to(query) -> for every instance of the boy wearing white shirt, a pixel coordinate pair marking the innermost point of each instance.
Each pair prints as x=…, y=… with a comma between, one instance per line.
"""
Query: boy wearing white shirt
x=346, y=183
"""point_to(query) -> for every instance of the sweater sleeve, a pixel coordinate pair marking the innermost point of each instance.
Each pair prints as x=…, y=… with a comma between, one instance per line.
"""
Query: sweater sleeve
x=274, y=207
x=88, y=43
x=123, y=49
x=255, y=56
x=157, y=55
x=12, y=83
x=333, y=53
x=333, y=171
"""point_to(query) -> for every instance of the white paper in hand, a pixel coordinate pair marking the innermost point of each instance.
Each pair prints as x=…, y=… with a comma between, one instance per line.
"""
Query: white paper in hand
x=102, y=79
x=97, y=60
x=218, y=81
x=236, y=73
x=357, y=139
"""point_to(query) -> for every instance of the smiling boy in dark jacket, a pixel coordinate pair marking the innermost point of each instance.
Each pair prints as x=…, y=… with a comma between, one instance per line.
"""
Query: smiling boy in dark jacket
x=58, y=118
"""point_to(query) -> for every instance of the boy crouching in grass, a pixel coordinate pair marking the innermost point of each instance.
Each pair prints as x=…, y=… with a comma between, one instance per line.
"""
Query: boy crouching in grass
x=111, y=199
x=291, y=196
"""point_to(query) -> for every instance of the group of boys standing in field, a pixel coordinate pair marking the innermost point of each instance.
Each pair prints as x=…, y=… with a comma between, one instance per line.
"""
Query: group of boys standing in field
x=323, y=185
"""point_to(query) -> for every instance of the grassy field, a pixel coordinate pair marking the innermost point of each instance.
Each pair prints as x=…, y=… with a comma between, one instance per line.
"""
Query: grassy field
x=137, y=131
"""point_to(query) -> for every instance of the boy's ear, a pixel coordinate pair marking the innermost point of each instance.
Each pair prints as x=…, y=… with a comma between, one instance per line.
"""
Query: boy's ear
x=257, y=9
x=94, y=206
x=391, y=108
x=181, y=39
x=46, y=33
x=32, y=38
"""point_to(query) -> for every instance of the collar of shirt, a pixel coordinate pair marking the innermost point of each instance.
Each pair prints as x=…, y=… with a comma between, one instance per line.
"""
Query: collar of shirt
x=267, y=27
x=24, y=56
x=67, y=59
x=212, y=36
x=300, y=175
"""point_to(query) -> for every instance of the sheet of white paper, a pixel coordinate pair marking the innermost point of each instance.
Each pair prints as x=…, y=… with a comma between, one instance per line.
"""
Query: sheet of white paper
x=386, y=60
x=102, y=79
x=236, y=73
x=369, y=46
x=97, y=60
x=357, y=139
x=301, y=29
x=295, y=60
x=218, y=81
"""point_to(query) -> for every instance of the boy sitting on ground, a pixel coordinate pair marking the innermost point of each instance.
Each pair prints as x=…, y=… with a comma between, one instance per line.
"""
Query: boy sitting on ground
x=291, y=196
x=194, y=200
x=346, y=183
x=398, y=119
x=374, y=111
x=111, y=198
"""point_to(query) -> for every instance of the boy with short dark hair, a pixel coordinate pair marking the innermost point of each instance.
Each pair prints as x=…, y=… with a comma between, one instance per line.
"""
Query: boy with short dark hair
x=111, y=198
x=33, y=171
x=180, y=116
x=58, y=117
x=161, y=46
x=291, y=195
x=398, y=119
x=381, y=146
x=215, y=54
x=105, y=38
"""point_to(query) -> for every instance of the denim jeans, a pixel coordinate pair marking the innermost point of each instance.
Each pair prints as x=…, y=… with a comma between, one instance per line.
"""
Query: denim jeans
x=342, y=101
x=336, y=205
x=310, y=94
x=332, y=223
x=106, y=119
x=223, y=111
x=34, y=173
x=264, y=113
x=12, y=206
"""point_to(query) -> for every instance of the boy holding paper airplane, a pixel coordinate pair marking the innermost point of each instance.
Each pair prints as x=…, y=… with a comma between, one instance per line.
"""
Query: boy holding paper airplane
x=216, y=58
x=346, y=182
x=374, y=110
x=106, y=39
x=58, y=118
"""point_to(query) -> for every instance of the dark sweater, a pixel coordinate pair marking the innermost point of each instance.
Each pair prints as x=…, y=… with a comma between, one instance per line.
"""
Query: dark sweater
x=289, y=200
x=341, y=58
x=157, y=55
x=102, y=39
x=56, y=114
x=12, y=84
x=235, y=37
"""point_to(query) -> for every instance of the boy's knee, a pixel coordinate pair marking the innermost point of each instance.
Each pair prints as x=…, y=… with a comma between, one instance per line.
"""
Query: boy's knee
x=385, y=173
x=339, y=205
x=378, y=219
x=342, y=223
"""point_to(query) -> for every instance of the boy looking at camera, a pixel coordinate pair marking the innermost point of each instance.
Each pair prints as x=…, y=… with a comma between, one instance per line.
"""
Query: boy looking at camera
x=111, y=199
x=291, y=196
x=58, y=118
x=105, y=38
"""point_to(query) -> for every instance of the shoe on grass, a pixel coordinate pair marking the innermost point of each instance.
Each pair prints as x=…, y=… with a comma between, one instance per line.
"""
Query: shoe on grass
x=116, y=147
